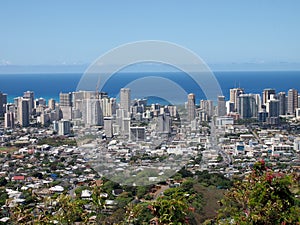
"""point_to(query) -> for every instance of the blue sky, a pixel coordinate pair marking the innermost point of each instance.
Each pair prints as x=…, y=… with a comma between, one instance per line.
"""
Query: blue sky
x=220, y=31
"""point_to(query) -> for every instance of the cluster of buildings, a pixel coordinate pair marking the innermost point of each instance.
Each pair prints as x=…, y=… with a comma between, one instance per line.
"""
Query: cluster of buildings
x=90, y=108
x=85, y=109
x=131, y=127
x=232, y=148
x=135, y=143
x=244, y=145
x=265, y=108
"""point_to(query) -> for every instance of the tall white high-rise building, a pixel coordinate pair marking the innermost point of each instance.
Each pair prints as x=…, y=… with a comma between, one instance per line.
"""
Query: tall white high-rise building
x=292, y=103
x=106, y=107
x=125, y=98
x=267, y=95
x=125, y=126
x=234, y=94
x=108, y=126
x=64, y=127
x=65, y=99
x=172, y=110
x=123, y=121
x=191, y=108
x=207, y=107
x=9, y=120
x=221, y=110
x=113, y=103
x=39, y=102
x=23, y=112
x=257, y=98
x=51, y=103
x=29, y=95
x=65, y=103
x=229, y=107
x=92, y=113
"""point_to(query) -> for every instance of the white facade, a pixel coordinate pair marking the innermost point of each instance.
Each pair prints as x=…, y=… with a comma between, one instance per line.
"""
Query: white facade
x=297, y=144
x=64, y=127
x=125, y=99
x=108, y=126
x=224, y=120
x=92, y=113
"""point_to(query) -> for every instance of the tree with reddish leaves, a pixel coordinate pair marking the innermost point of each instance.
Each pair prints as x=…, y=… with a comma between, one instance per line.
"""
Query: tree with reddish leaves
x=263, y=197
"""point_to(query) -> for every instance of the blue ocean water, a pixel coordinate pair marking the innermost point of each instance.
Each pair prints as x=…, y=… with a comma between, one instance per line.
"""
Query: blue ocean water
x=50, y=85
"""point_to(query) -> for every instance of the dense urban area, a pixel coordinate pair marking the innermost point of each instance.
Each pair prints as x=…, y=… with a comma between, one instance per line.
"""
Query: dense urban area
x=90, y=159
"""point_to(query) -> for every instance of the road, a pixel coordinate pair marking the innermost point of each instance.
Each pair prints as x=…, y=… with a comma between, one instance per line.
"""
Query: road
x=159, y=191
x=215, y=146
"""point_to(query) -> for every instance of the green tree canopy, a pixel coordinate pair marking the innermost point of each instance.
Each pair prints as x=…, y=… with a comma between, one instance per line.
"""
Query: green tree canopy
x=263, y=197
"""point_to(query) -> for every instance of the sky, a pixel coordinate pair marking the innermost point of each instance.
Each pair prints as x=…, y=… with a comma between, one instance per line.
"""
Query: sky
x=70, y=32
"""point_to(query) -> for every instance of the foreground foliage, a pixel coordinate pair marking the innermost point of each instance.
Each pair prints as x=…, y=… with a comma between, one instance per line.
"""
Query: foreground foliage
x=264, y=197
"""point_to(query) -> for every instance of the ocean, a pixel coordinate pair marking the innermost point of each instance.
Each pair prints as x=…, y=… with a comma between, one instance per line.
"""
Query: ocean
x=50, y=85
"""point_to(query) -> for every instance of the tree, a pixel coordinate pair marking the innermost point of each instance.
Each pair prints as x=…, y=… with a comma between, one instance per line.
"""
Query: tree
x=142, y=191
x=37, y=175
x=172, y=208
x=264, y=197
x=187, y=185
x=3, y=181
x=3, y=196
x=67, y=210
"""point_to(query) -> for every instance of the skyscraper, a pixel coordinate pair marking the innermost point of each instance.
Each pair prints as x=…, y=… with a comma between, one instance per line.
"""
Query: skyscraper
x=191, y=108
x=282, y=102
x=247, y=106
x=125, y=98
x=108, y=126
x=23, y=112
x=267, y=94
x=106, y=106
x=51, y=103
x=137, y=134
x=206, y=106
x=64, y=127
x=2, y=103
x=292, y=103
x=39, y=102
x=258, y=101
x=29, y=95
x=272, y=107
x=164, y=123
x=65, y=103
x=221, y=111
x=229, y=107
x=113, y=106
x=123, y=121
x=65, y=99
x=9, y=120
x=234, y=94
x=92, y=113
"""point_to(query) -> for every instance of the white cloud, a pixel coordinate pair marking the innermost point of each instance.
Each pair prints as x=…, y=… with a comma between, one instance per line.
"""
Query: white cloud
x=5, y=62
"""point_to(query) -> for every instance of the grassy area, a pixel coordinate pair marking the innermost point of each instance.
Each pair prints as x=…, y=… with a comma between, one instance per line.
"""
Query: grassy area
x=57, y=141
x=8, y=149
x=211, y=196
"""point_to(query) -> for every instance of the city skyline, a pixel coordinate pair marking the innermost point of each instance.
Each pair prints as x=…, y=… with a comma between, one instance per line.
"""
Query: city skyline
x=246, y=105
x=150, y=112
